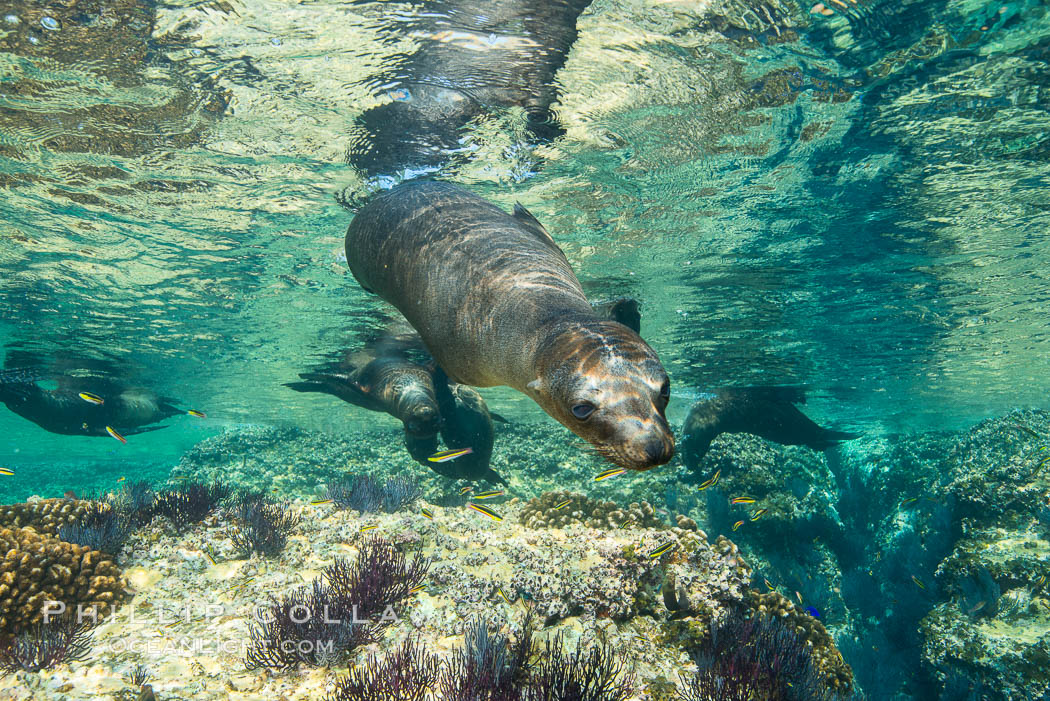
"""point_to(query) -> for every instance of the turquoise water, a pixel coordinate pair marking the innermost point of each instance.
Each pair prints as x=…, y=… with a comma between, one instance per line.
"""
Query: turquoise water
x=857, y=203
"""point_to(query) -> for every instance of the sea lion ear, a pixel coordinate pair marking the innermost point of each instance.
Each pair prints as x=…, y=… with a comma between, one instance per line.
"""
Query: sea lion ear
x=536, y=386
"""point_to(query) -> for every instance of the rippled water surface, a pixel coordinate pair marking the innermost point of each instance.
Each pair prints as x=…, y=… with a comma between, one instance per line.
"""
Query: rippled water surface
x=856, y=202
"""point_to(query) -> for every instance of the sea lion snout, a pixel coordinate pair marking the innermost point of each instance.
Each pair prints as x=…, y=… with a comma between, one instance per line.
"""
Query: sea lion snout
x=422, y=420
x=611, y=390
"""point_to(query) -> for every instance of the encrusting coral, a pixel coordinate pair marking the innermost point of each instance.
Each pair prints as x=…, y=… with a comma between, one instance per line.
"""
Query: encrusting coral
x=39, y=568
x=551, y=511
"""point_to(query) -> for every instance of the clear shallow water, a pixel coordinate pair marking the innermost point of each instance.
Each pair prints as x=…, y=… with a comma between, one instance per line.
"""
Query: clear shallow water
x=857, y=203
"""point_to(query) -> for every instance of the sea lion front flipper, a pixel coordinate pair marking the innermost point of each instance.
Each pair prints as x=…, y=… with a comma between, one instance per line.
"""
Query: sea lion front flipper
x=497, y=417
x=530, y=222
x=624, y=310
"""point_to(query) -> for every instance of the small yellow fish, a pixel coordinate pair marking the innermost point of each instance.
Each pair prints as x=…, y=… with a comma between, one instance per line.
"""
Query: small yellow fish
x=769, y=584
x=563, y=504
x=918, y=582
x=614, y=472
x=758, y=514
x=503, y=595
x=427, y=512
x=627, y=521
x=711, y=482
x=909, y=500
x=485, y=511
x=198, y=414
x=1027, y=430
x=110, y=431
x=466, y=490
x=121, y=479
x=737, y=525
x=742, y=500
x=320, y=502
x=666, y=547
x=489, y=495
x=1039, y=582
x=92, y=398
x=369, y=527
x=799, y=597
x=416, y=589
x=6, y=471
x=207, y=554
x=446, y=455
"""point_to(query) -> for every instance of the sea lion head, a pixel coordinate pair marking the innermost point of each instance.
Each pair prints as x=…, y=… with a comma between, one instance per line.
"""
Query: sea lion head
x=412, y=396
x=606, y=385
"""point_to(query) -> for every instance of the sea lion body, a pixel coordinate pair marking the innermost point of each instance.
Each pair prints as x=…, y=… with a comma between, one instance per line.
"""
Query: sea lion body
x=497, y=303
x=63, y=411
x=767, y=412
x=389, y=383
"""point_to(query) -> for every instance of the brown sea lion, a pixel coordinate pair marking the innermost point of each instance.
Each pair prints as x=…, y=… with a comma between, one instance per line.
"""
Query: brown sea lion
x=385, y=379
x=497, y=303
x=767, y=412
x=128, y=410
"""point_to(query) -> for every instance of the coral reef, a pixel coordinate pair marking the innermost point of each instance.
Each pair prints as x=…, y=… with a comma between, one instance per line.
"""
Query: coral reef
x=827, y=660
x=585, y=674
x=551, y=511
x=754, y=657
x=44, y=515
x=39, y=568
x=364, y=493
x=489, y=667
x=100, y=526
x=406, y=674
x=319, y=624
x=190, y=503
x=264, y=525
x=45, y=645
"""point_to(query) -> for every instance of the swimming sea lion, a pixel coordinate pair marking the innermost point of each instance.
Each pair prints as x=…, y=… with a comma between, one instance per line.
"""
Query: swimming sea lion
x=62, y=410
x=389, y=383
x=767, y=412
x=497, y=303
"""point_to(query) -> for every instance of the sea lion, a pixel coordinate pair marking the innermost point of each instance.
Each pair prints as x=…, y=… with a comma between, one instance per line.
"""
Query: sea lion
x=465, y=422
x=473, y=57
x=497, y=303
x=390, y=382
x=127, y=410
x=767, y=412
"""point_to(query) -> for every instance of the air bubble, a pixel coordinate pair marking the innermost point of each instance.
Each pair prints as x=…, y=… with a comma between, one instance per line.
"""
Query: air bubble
x=50, y=23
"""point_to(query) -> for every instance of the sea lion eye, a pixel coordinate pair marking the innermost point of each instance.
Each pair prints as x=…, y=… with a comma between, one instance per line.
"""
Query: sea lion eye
x=582, y=410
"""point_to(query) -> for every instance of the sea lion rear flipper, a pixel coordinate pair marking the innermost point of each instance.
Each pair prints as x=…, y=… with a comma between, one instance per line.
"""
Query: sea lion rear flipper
x=492, y=476
x=782, y=422
x=138, y=429
x=497, y=417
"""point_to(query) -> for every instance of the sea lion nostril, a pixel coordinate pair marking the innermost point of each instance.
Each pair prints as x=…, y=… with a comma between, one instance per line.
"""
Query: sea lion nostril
x=655, y=449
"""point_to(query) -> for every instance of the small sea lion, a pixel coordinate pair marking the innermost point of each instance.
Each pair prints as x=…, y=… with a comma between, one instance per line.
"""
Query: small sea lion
x=767, y=412
x=497, y=303
x=391, y=383
x=128, y=410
